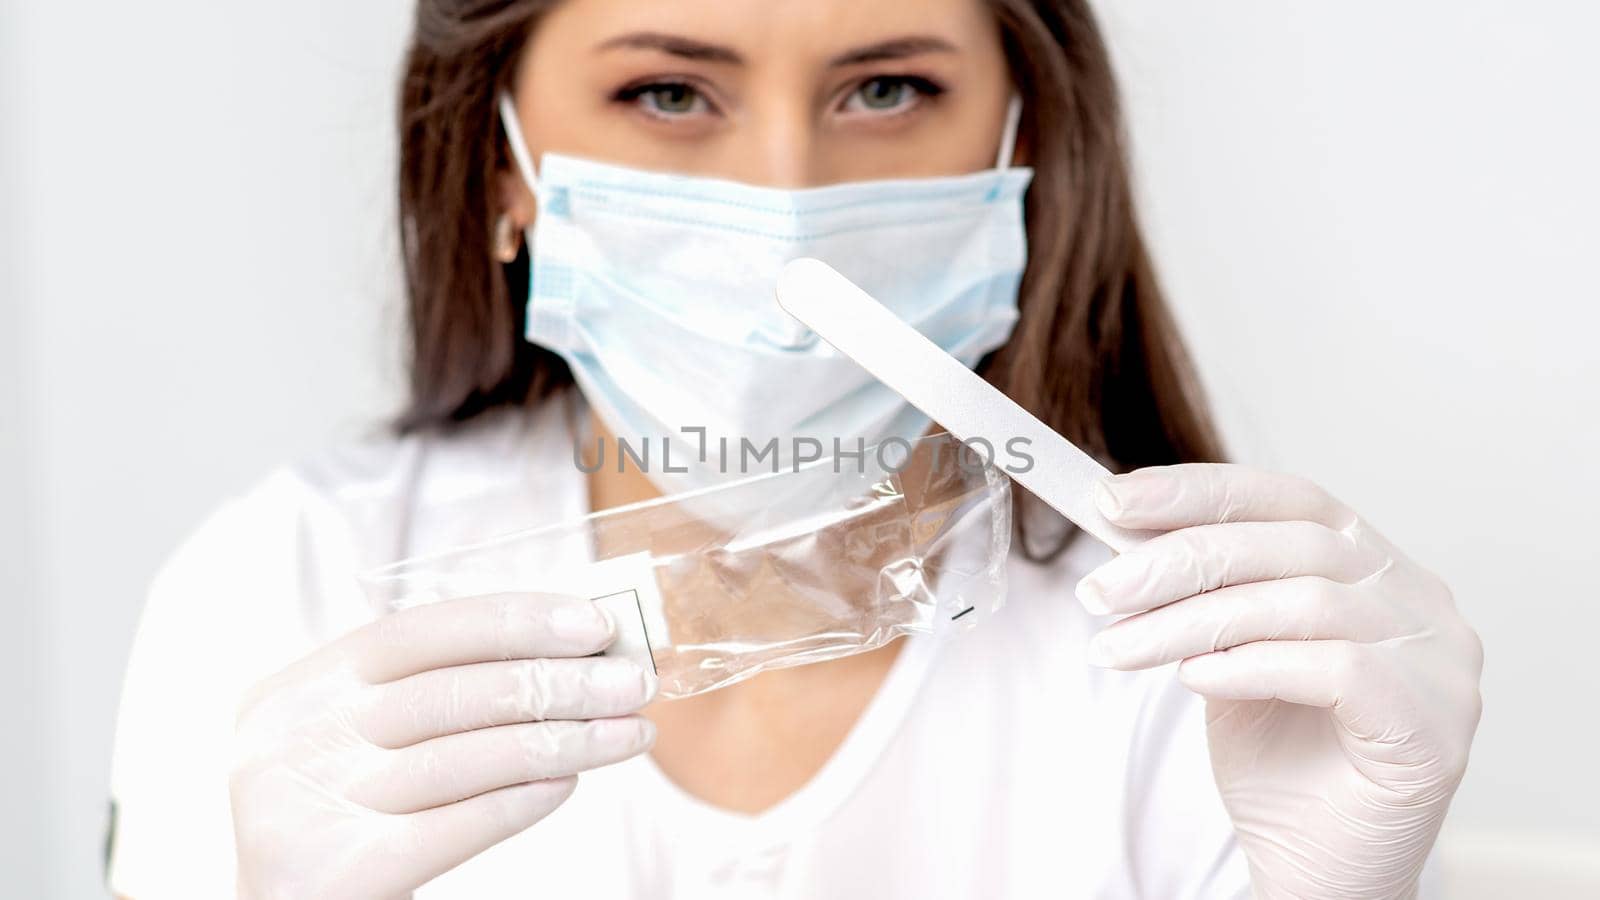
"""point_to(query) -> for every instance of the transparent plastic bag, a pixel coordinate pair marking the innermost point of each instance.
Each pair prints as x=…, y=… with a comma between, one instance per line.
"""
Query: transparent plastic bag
x=715, y=586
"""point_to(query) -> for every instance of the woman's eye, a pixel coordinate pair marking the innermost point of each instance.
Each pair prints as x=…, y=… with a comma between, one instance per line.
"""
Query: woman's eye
x=888, y=93
x=667, y=99
x=882, y=93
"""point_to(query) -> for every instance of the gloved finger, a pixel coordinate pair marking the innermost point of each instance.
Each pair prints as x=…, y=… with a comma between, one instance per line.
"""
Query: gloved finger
x=1355, y=681
x=484, y=695
x=1168, y=497
x=1323, y=674
x=451, y=768
x=1305, y=608
x=478, y=629
x=429, y=843
x=1203, y=558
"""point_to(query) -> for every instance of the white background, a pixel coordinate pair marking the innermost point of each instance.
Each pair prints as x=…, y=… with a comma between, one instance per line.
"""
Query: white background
x=1376, y=220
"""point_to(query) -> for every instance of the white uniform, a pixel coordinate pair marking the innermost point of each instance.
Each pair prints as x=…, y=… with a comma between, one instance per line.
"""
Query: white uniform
x=994, y=764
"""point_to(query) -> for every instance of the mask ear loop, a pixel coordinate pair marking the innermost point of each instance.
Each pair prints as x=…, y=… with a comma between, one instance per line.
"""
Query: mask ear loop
x=519, y=147
x=1008, y=135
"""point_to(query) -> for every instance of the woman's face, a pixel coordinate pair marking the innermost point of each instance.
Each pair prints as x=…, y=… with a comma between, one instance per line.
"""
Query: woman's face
x=785, y=93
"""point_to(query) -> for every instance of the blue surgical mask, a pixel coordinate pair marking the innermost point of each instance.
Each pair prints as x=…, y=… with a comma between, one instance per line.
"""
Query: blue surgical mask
x=657, y=289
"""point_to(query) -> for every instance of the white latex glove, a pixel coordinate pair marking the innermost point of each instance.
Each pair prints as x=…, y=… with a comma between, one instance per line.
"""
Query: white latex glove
x=408, y=746
x=1341, y=684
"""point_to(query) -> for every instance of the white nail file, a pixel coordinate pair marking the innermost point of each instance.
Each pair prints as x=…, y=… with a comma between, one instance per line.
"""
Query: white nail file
x=951, y=394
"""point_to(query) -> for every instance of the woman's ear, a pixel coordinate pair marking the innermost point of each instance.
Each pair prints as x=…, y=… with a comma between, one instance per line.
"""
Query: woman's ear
x=514, y=214
x=1022, y=147
x=513, y=198
x=1022, y=155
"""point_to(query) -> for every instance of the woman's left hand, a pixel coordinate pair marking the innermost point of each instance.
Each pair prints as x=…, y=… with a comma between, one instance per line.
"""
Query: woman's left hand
x=1341, y=684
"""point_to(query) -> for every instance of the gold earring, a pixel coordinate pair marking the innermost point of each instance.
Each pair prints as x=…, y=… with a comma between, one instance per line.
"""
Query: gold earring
x=506, y=240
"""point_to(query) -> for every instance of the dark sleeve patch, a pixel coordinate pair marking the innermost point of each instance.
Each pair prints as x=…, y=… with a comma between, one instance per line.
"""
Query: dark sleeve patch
x=110, y=843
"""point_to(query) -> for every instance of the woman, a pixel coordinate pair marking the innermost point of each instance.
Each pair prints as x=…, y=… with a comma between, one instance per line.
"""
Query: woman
x=436, y=750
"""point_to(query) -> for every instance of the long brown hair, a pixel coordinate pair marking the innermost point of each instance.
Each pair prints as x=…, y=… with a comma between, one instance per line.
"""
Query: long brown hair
x=1095, y=354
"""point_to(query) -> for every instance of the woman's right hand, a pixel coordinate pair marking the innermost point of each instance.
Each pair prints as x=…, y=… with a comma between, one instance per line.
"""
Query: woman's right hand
x=408, y=746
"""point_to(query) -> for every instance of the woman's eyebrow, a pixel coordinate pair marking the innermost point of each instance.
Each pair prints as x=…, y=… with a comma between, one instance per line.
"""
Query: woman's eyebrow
x=895, y=48
x=701, y=51
x=675, y=45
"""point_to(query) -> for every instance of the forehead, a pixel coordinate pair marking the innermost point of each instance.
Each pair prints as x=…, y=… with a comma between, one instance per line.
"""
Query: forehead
x=808, y=30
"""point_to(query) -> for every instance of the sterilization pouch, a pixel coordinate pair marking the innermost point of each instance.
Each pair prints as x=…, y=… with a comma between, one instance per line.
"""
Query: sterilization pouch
x=812, y=563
